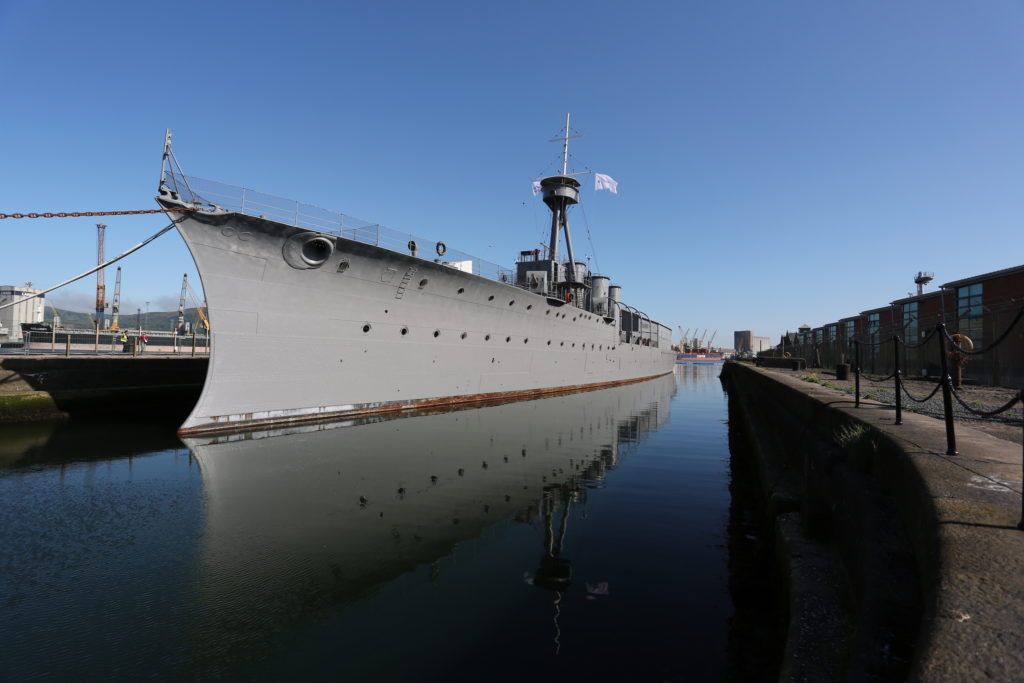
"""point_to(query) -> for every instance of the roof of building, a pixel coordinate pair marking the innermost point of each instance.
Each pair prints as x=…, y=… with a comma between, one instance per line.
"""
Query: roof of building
x=880, y=309
x=984, y=276
x=917, y=297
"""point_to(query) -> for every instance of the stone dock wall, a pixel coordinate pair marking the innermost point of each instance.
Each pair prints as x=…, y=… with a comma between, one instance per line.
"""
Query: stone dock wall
x=904, y=563
x=51, y=387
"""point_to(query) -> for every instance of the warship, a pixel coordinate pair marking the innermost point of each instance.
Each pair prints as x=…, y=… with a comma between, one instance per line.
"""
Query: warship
x=315, y=314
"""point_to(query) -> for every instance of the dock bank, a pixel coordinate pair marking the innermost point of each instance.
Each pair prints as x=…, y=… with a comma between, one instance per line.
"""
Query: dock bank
x=34, y=388
x=904, y=563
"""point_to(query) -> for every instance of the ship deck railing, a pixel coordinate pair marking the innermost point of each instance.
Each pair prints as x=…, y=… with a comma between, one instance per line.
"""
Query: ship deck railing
x=211, y=193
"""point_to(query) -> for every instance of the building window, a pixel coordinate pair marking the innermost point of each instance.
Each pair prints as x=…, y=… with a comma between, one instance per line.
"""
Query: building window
x=969, y=312
x=873, y=324
x=850, y=330
x=910, y=327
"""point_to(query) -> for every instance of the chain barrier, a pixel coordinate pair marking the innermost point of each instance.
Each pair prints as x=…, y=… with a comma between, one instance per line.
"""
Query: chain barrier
x=989, y=413
x=87, y=214
x=903, y=386
x=876, y=379
x=921, y=343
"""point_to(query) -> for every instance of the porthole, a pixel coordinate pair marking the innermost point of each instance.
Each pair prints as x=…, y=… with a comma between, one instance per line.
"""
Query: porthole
x=437, y=333
x=561, y=343
x=405, y=331
x=574, y=318
x=508, y=339
x=529, y=307
x=525, y=341
x=461, y=290
x=512, y=302
x=366, y=328
x=463, y=335
x=490, y=298
x=487, y=337
x=423, y=283
x=549, y=342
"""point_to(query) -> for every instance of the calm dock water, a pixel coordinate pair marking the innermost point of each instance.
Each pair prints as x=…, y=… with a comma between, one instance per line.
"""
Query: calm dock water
x=595, y=536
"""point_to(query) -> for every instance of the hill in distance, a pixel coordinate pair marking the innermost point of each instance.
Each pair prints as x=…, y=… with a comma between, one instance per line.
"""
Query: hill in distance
x=156, y=320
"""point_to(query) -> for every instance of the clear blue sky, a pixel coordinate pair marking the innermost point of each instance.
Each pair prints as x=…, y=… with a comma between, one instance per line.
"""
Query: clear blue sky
x=779, y=163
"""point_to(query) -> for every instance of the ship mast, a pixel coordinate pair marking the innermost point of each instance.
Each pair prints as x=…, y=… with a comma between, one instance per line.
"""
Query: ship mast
x=565, y=146
x=561, y=192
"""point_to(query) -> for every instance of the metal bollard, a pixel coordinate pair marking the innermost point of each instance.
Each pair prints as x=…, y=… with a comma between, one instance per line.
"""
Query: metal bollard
x=856, y=373
x=53, y=338
x=947, y=397
x=193, y=344
x=896, y=374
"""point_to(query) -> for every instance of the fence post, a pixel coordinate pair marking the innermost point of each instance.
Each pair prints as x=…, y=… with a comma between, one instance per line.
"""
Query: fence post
x=67, y=344
x=96, y=349
x=896, y=374
x=856, y=373
x=947, y=398
x=193, y=343
x=53, y=337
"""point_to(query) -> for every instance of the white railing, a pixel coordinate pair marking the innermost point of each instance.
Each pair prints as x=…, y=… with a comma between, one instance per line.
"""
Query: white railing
x=211, y=193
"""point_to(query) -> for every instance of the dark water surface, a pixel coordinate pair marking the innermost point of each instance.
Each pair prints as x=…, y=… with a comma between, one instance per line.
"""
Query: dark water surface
x=596, y=536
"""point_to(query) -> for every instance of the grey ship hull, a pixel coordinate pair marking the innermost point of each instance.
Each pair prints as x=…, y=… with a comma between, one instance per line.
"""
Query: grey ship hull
x=374, y=330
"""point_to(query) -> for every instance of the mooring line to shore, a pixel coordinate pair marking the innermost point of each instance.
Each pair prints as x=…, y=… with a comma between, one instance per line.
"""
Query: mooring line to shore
x=92, y=270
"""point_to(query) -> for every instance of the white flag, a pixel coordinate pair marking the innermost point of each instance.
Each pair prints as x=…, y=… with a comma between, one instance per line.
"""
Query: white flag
x=536, y=188
x=605, y=182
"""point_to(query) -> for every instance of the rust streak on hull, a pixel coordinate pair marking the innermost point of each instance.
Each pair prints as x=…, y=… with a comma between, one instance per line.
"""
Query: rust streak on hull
x=427, y=405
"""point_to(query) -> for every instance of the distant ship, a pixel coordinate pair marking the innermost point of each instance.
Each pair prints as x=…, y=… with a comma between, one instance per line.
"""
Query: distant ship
x=694, y=350
x=315, y=314
x=699, y=356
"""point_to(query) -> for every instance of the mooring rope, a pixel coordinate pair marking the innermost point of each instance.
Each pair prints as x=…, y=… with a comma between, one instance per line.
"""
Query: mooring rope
x=117, y=258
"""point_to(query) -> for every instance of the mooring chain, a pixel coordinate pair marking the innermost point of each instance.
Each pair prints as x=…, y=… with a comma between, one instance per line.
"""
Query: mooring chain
x=85, y=214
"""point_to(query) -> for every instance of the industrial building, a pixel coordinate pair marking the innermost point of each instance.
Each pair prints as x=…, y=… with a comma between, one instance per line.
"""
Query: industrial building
x=745, y=342
x=982, y=307
x=24, y=310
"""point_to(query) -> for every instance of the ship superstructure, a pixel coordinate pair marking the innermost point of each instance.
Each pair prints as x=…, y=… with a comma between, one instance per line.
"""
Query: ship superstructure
x=316, y=314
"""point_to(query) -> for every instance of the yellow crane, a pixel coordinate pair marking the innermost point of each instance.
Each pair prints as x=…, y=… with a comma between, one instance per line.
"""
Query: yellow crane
x=199, y=309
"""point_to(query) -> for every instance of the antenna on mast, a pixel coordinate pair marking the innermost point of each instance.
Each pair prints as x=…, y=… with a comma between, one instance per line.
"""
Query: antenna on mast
x=565, y=146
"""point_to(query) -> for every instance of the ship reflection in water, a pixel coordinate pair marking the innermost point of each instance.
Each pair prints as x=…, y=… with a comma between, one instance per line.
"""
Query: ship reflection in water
x=552, y=539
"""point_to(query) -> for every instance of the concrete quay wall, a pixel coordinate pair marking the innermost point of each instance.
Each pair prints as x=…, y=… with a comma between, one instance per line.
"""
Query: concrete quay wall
x=36, y=388
x=909, y=558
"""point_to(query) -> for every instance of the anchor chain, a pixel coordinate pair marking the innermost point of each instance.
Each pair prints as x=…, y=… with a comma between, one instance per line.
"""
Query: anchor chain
x=84, y=214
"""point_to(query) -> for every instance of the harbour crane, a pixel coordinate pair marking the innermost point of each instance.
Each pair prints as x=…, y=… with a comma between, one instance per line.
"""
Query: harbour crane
x=101, y=288
x=115, y=305
x=712, y=340
x=180, y=325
